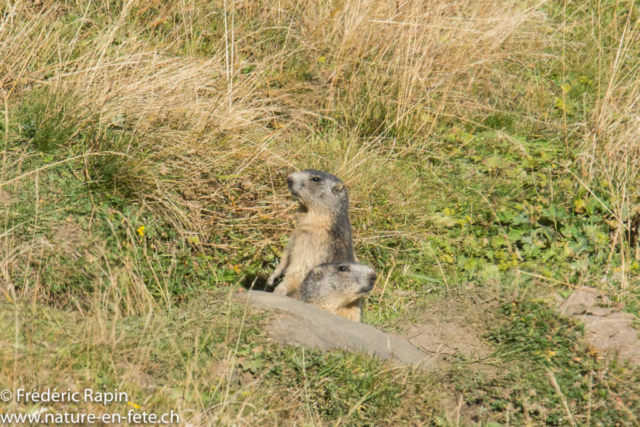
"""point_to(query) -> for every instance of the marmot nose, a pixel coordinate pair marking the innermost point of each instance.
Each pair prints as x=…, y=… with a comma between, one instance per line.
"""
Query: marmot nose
x=372, y=280
x=290, y=180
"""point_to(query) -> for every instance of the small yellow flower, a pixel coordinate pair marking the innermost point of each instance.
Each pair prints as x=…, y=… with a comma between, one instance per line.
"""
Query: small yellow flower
x=141, y=230
x=133, y=404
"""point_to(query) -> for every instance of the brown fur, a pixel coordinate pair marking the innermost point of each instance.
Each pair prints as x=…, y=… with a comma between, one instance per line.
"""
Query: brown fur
x=308, y=241
x=351, y=311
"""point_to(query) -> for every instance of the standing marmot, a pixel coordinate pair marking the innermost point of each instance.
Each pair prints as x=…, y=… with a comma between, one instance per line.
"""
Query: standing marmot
x=339, y=287
x=323, y=229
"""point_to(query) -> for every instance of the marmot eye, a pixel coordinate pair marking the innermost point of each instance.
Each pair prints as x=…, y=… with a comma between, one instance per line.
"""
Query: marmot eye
x=316, y=179
x=343, y=268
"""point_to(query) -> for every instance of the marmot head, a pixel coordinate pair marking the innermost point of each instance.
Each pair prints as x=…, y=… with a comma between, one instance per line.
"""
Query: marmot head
x=319, y=191
x=336, y=284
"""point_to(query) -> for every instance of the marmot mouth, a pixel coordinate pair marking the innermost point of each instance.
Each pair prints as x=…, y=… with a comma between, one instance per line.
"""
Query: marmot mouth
x=294, y=194
x=368, y=285
x=365, y=291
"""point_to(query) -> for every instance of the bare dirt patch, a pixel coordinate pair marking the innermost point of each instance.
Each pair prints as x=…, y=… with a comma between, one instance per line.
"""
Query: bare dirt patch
x=445, y=340
x=5, y=198
x=69, y=235
x=607, y=328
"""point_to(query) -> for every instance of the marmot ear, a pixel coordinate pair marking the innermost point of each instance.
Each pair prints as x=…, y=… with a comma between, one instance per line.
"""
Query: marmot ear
x=338, y=187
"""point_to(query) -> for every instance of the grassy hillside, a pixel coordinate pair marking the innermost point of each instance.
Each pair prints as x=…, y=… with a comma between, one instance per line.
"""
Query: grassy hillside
x=491, y=153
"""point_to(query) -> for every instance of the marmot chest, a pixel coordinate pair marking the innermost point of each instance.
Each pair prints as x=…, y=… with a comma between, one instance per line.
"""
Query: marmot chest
x=311, y=245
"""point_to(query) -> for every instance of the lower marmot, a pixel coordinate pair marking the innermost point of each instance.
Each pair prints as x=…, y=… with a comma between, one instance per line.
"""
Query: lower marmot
x=322, y=233
x=339, y=287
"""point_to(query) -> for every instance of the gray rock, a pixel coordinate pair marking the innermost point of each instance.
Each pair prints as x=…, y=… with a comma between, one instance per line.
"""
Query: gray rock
x=297, y=322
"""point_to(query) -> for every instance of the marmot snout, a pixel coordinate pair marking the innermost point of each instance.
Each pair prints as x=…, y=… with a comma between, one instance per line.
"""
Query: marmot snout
x=323, y=230
x=339, y=287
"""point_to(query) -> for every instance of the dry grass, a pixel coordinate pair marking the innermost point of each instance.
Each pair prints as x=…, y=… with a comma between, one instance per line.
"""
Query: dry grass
x=405, y=66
